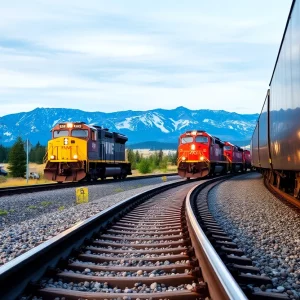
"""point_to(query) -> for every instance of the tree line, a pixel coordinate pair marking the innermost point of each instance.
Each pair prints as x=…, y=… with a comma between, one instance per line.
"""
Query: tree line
x=16, y=156
x=156, y=160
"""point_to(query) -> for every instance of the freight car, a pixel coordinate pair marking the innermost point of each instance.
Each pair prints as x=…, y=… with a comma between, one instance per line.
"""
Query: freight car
x=275, y=142
x=79, y=151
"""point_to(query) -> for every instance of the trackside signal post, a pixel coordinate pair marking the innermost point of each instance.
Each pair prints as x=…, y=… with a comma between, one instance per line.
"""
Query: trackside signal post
x=82, y=195
x=27, y=147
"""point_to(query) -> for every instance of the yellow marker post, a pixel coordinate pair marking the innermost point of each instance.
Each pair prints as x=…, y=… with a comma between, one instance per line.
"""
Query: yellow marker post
x=82, y=195
x=164, y=178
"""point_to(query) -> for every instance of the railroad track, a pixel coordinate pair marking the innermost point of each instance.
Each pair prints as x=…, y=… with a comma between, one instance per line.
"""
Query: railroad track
x=280, y=194
x=146, y=247
x=241, y=268
x=51, y=186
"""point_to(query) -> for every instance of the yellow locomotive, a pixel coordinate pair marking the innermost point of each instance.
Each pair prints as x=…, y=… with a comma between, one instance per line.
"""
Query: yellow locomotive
x=79, y=151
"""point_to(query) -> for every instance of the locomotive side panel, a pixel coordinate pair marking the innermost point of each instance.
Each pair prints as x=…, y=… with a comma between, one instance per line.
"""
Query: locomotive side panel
x=254, y=147
x=216, y=150
x=93, y=145
x=237, y=155
x=284, y=103
x=263, y=136
x=120, y=141
x=247, y=159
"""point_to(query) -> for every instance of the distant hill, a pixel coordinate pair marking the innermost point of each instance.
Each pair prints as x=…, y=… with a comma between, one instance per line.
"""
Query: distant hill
x=158, y=125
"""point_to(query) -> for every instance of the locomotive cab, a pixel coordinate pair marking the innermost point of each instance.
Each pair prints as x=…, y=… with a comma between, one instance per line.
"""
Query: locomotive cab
x=67, y=152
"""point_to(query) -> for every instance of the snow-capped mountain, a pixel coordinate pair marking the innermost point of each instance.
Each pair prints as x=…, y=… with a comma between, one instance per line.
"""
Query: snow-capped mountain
x=154, y=125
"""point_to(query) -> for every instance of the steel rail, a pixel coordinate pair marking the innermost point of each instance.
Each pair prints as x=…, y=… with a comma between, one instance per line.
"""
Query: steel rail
x=279, y=194
x=51, y=186
x=221, y=284
x=22, y=272
x=30, y=266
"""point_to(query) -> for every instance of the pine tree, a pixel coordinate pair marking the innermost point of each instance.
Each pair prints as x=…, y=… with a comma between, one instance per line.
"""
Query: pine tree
x=37, y=154
x=17, y=159
x=3, y=154
x=137, y=156
x=131, y=158
x=160, y=156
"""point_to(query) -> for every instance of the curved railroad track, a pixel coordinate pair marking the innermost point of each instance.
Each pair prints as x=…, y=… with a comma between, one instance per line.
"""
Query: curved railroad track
x=146, y=247
x=280, y=194
x=51, y=186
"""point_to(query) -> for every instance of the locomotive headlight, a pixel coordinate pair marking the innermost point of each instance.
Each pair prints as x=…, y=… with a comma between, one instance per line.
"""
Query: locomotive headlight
x=194, y=132
x=52, y=157
x=69, y=125
x=183, y=158
x=193, y=147
x=201, y=158
x=75, y=156
x=66, y=141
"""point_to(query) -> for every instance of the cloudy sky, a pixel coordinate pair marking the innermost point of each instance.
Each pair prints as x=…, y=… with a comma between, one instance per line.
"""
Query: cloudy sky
x=117, y=55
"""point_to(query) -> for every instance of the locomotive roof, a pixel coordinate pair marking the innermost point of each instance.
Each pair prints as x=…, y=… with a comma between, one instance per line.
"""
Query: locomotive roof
x=197, y=131
x=95, y=127
x=239, y=148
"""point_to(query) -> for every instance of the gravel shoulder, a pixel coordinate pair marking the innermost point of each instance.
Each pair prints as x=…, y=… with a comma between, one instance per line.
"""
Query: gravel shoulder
x=267, y=229
x=32, y=221
x=28, y=206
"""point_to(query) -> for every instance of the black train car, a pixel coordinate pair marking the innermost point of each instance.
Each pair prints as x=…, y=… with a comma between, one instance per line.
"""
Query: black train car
x=78, y=151
x=276, y=139
x=108, y=159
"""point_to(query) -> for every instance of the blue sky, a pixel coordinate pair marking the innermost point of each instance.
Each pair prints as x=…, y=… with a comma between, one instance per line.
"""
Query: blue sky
x=118, y=55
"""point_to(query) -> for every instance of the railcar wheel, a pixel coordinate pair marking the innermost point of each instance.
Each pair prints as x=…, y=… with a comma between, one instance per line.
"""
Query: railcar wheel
x=116, y=177
x=188, y=178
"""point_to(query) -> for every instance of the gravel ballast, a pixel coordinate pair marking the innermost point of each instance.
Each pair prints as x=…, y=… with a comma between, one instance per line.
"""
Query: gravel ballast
x=24, y=207
x=35, y=218
x=267, y=229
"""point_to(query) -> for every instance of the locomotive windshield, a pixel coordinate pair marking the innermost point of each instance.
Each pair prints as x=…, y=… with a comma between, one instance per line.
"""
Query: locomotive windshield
x=227, y=147
x=201, y=139
x=80, y=133
x=186, y=140
x=59, y=133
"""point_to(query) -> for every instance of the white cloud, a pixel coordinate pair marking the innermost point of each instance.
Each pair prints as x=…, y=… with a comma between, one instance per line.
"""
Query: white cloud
x=108, y=56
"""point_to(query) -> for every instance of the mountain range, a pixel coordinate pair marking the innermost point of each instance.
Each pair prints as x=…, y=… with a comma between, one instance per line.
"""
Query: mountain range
x=158, y=125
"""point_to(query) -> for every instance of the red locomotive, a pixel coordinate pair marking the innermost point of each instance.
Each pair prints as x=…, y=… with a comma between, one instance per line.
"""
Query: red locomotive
x=234, y=155
x=247, y=160
x=201, y=154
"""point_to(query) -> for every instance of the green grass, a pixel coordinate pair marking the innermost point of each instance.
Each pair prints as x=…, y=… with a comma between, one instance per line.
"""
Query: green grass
x=61, y=208
x=119, y=190
x=3, y=212
x=32, y=207
x=46, y=203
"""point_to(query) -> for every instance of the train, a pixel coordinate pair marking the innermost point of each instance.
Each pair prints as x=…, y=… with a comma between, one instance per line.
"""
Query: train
x=78, y=151
x=275, y=144
x=200, y=154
